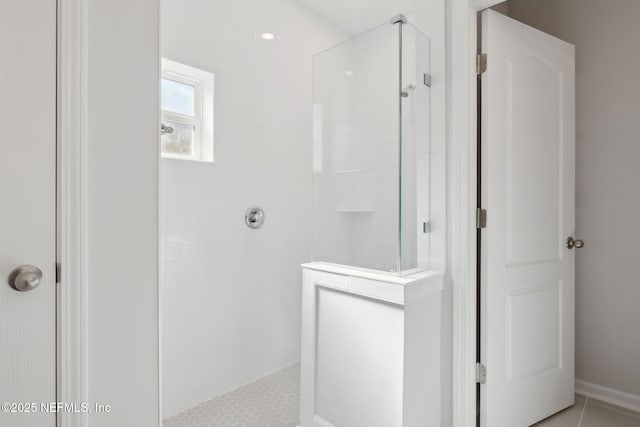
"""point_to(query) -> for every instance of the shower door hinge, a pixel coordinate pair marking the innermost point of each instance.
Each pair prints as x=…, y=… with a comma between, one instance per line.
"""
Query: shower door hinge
x=481, y=373
x=58, y=272
x=400, y=18
x=481, y=218
x=481, y=63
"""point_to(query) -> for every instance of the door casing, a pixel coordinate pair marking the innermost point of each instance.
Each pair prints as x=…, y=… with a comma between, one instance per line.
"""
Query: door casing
x=462, y=156
x=80, y=80
x=72, y=227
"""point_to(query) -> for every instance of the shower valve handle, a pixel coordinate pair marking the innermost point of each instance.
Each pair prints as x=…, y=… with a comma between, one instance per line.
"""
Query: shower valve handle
x=254, y=217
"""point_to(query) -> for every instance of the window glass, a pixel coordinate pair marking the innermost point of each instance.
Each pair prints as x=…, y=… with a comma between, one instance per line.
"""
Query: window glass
x=177, y=97
x=180, y=141
x=186, y=104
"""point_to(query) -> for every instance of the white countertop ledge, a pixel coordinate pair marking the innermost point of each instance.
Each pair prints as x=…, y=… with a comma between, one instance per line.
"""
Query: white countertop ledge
x=379, y=284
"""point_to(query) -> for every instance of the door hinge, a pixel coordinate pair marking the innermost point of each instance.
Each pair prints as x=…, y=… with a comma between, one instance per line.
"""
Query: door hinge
x=58, y=272
x=481, y=373
x=481, y=63
x=481, y=218
x=427, y=79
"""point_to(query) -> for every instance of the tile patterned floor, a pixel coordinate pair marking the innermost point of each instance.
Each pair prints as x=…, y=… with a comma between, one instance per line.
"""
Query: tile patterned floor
x=589, y=412
x=271, y=401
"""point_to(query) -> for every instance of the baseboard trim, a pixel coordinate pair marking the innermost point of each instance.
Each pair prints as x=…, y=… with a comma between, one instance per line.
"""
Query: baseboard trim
x=608, y=395
x=318, y=421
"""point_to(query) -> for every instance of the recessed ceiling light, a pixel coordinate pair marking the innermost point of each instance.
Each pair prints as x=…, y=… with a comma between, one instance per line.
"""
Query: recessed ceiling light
x=268, y=36
x=348, y=73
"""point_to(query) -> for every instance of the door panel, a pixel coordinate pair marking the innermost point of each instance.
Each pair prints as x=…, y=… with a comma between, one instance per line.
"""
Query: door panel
x=533, y=343
x=527, y=273
x=28, y=211
x=534, y=96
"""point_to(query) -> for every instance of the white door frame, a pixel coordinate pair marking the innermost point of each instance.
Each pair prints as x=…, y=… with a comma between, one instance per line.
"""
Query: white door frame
x=461, y=49
x=76, y=93
x=72, y=235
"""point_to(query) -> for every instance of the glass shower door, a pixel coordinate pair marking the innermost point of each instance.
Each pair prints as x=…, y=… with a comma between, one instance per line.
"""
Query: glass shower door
x=355, y=151
x=415, y=145
x=371, y=151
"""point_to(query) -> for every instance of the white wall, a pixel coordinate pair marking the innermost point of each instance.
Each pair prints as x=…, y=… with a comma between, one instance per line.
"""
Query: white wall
x=606, y=36
x=231, y=295
x=122, y=209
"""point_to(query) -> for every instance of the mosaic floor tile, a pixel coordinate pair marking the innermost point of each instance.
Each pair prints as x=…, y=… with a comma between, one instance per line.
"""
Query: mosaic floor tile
x=271, y=401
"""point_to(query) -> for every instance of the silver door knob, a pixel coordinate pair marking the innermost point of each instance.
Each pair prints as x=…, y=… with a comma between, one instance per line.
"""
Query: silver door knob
x=577, y=243
x=25, y=278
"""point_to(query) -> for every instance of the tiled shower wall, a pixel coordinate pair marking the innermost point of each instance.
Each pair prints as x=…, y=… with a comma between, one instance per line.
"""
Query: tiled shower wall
x=230, y=294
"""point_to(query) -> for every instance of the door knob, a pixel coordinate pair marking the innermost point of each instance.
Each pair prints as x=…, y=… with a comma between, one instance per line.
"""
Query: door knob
x=25, y=278
x=577, y=243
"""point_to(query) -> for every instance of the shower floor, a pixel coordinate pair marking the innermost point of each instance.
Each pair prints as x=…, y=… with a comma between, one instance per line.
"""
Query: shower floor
x=271, y=401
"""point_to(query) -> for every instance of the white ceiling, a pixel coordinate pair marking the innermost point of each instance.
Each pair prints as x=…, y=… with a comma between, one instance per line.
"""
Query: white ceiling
x=356, y=16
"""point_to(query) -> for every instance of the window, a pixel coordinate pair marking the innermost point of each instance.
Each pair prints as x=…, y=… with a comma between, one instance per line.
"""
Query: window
x=186, y=103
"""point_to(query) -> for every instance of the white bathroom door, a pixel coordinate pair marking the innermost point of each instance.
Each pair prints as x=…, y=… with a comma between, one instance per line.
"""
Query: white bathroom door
x=27, y=212
x=528, y=191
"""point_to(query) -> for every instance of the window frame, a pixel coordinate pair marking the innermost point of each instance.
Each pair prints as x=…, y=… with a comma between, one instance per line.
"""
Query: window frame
x=200, y=81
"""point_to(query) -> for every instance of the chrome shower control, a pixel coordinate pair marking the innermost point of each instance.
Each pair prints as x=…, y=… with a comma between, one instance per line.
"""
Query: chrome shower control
x=254, y=217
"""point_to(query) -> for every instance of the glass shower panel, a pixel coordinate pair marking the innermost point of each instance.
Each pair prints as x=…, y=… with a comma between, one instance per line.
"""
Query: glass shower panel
x=355, y=151
x=371, y=151
x=415, y=224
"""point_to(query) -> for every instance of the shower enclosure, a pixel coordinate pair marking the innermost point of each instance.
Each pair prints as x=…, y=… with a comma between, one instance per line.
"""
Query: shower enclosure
x=370, y=304
x=371, y=146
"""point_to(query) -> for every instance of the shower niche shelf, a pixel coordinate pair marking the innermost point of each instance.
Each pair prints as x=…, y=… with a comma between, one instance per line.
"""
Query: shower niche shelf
x=351, y=171
x=356, y=191
x=355, y=211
